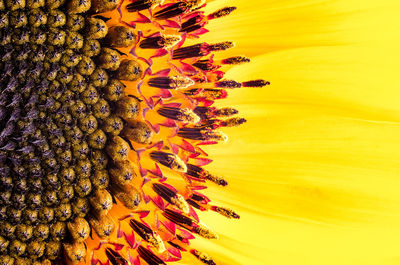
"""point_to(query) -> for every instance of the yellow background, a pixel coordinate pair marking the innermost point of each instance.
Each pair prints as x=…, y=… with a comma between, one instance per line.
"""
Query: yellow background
x=315, y=172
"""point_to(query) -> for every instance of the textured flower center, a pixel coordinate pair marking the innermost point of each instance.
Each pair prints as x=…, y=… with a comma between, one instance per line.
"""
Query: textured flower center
x=82, y=110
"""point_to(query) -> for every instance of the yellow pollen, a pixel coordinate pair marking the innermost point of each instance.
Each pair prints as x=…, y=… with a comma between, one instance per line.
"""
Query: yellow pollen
x=217, y=135
x=206, y=232
x=157, y=242
x=181, y=82
x=181, y=203
x=178, y=165
x=189, y=116
x=171, y=40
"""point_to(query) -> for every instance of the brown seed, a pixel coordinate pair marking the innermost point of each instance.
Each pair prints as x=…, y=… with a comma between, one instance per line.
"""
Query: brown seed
x=75, y=22
x=118, y=149
x=100, y=179
x=76, y=252
x=129, y=196
x=137, y=131
x=58, y=230
x=96, y=28
x=97, y=139
x=100, y=6
x=99, y=159
x=120, y=36
x=36, y=249
x=17, y=248
x=129, y=70
x=109, y=59
x=56, y=18
x=128, y=107
x=80, y=207
x=103, y=226
x=83, y=187
x=86, y=66
x=53, y=4
x=123, y=173
x=78, y=6
x=79, y=229
x=32, y=4
x=114, y=90
x=101, y=109
x=113, y=125
x=53, y=249
x=90, y=95
x=91, y=47
x=99, y=78
x=101, y=201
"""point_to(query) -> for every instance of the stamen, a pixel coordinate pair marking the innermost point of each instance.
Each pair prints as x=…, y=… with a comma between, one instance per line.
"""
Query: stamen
x=206, y=65
x=175, y=245
x=225, y=212
x=191, y=24
x=195, y=204
x=202, y=134
x=222, y=46
x=149, y=257
x=176, y=9
x=256, y=83
x=142, y=230
x=171, y=196
x=200, y=173
x=221, y=12
x=233, y=122
x=139, y=5
x=148, y=235
x=225, y=112
x=164, y=191
x=204, y=232
x=178, y=218
x=184, y=115
x=159, y=42
x=212, y=112
x=180, y=202
x=207, y=93
x=216, y=123
x=169, y=160
x=227, y=84
x=203, y=257
x=189, y=224
x=172, y=82
x=235, y=60
x=115, y=258
x=200, y=49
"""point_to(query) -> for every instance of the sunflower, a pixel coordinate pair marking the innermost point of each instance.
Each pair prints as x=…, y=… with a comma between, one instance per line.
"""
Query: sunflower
x=106, y=109
x=109, y=116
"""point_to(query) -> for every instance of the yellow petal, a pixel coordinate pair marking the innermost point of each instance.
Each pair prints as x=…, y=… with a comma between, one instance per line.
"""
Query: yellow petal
x=315, y=172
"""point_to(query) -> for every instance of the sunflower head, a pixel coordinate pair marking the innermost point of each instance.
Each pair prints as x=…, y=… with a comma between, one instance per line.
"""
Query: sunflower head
x=103, y=111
